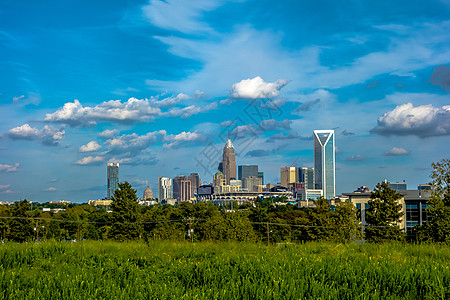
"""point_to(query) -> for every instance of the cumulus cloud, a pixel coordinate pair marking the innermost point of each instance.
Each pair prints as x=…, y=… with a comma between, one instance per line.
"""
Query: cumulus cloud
x=189, y=111
x=89, y=147
x=355, y=158
x=9, y=168
x=169, y=101
x=250, y=130
x=148, y=159
x=47, y=135
x=106, y=134
x=133, y=142
x=74, y=114
x=88, y=160
x=422, y=121
x=4, y=187
x=396, y=152
x=257, y=88
x=51, y=189
x=183, y=138
x=281, y=136
x=441, y=77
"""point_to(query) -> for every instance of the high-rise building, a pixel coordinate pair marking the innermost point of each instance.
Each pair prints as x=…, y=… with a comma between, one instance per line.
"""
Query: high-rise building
x=229, y=162
x=218, y=180
x=306, y=176
x=148, y=194
x=113, y=179
x=288, y=175
x=324, y=162
x=182, y=188
x=252, y=183
x=195, y=182
x=261, y=175
x=164, y=188
x=247, y=171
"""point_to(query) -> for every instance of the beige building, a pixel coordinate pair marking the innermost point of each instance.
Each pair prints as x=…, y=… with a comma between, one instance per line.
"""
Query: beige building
x=251, y=183
x=182, y=188
x=288, y=175
x=361, y=201
x=99, y=202
x=228, y=164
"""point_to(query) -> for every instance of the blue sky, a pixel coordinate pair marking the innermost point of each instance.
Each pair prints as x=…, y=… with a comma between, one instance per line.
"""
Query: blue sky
x=159, y=85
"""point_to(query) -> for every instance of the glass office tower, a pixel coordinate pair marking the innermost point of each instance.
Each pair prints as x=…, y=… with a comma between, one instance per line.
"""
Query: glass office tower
x=113, y=179
x=324, y=162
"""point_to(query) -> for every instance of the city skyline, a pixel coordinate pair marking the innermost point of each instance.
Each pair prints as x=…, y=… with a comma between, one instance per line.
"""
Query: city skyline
x=160, y=86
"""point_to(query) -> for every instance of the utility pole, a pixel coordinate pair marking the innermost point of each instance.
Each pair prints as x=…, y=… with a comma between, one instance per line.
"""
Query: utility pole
x=268, y=239
x=37, y=229
x=190, y=231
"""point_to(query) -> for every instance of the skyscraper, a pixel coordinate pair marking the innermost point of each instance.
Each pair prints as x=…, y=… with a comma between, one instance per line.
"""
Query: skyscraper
x=195, y=182
x=324, y=162
x=182, y=188
x=306, y=176
x=164, y=188
x=229, y=162
x=287, y=175
x=113, y=179
x=247, y=171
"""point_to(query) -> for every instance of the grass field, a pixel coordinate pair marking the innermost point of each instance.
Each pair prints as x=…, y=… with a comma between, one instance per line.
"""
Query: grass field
x=169, y=270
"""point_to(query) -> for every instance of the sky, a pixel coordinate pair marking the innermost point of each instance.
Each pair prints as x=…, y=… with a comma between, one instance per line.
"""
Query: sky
x=159, y=86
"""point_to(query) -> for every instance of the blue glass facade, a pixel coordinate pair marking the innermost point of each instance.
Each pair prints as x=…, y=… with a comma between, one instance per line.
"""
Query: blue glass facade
x=324, y=162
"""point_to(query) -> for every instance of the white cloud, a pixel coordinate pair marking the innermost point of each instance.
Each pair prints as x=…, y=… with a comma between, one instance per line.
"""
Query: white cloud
x=4, y=187
x=169, y=101
x=106, y=134
x=257, y=88
x=133, y=142
x=9, y=168
x=90, y=160
x=47, y=135
x=110, y=111
x=396, y=152
x=422, y=121
x=51, y=189
x=89, y=147
x=189, y=111
x=183, y=138
x=24, y=132
x=16, y=99
x=180, y=15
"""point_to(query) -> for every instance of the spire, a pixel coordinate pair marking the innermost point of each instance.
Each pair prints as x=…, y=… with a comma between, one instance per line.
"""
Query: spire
x=229, y=144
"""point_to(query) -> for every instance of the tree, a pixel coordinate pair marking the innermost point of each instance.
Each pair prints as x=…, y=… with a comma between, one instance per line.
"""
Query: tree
x=384, y=215
x=20, y=226
x=125, y=214
x=347, y=223
x=437, y=228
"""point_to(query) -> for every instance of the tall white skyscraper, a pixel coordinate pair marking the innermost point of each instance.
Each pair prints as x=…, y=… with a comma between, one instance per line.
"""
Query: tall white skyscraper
x=164, y=188
x=113, y=179
x=324, y=162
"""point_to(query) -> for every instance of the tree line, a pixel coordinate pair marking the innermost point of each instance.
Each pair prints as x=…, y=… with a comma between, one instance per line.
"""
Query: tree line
x=257, y=221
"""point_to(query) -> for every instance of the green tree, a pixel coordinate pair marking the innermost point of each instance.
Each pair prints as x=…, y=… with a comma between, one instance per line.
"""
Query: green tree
x=20, y=226
x=347, y=223
x=437, y=228
x=384, y=215
x=125, y=214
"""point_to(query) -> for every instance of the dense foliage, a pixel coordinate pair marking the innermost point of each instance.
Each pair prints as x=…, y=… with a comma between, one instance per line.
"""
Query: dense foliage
x=384, y=215
x=437, y=228
x=180, y=270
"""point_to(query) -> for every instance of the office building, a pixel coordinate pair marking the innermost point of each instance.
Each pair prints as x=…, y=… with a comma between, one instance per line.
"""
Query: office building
x=247, y=171
x=288, y=175
x=195, y=182
x=228, y=163
x=182, y=188
x=397, y=186
x=113, y=179
x=252, y=183
x=261, y=175
x=306, y=176
x=324, y=162
x=164, y=189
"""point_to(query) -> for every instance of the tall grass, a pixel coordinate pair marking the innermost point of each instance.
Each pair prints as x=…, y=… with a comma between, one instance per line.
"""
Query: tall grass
x=170, y=270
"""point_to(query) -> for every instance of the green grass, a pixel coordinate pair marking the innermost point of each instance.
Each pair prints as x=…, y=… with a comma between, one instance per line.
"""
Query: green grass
x=169, y=270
